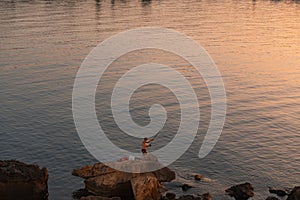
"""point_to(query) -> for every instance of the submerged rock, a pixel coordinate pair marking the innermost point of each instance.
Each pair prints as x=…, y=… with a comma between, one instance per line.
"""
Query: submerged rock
x=105, y=181
x=278, y=192
x=241, y=192
x=206, y=196
x=295, y=194
x=198, y=177
x=20, y=181
x=185, y=187
x=170, y=196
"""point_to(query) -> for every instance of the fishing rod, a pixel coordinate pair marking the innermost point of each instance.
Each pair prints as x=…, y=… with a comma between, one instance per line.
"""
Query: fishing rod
x=155, y=136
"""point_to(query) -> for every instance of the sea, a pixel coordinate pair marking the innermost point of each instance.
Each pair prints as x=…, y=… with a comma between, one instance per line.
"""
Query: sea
x=255, y=45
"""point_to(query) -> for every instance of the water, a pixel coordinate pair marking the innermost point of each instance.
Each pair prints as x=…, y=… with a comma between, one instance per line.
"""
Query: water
x=255, y=44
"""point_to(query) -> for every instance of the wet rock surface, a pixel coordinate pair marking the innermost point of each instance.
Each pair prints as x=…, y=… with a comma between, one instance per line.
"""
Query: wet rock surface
x=20, y=181
x=198, y=177
x=185, y=187
x=241, y=192
x=278, y=192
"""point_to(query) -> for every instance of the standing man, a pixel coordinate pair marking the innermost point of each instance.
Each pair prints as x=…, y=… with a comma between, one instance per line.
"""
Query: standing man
x=146, y=143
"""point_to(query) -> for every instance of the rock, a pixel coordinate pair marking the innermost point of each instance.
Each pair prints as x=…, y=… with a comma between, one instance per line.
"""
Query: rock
x=272, y=198
x=164, y=174
x=99, y=198
x=114, y=184
x=198, y=177
x=241, y=191
x=22, y=181
x=80, y=193
x=295, y=194
x=145, y=187
x=102, y=180
x=185, y=187
x=90, y=171
x=206, y=196
x=189, y=197
x=278, y=192
x=99, y=169
x=170, y=196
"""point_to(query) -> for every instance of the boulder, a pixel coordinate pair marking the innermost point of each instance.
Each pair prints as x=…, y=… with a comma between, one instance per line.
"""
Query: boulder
x=145, y=187
x=108, y=185
x=189, y=197
x=185, y=187
x=99, y=169
x=206, y=196
x=295, y=194
x=241, y=192
x=170, y=196
x=99, y=198
x=278, y=192
x=90, y=171
x=20, y=181
x=272, y=198
x=198, y=177
x=102, y=180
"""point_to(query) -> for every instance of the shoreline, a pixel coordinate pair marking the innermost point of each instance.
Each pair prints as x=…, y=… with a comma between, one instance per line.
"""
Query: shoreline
x=102, y=182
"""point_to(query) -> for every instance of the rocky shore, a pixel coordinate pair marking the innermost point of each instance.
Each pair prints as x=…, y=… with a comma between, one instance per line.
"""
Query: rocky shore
x=104, y=183
x=101, y=180
x=20, y=181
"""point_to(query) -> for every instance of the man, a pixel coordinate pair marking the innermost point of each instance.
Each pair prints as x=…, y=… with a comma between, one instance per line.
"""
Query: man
x=145, y=144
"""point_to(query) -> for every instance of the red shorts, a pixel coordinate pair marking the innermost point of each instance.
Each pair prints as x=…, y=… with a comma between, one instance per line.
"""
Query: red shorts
x=144, y=151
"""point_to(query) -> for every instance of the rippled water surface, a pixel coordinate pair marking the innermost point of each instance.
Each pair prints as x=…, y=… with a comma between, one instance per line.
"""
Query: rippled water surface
x=255, y=44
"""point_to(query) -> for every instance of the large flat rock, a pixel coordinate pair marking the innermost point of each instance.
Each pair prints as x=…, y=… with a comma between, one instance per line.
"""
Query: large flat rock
x=103, y=180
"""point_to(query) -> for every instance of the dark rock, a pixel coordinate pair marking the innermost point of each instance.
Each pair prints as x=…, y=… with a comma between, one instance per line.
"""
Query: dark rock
x=272, y=198
x=80, y=193
x=295, y=194
x=189, y=197
x=278, y=192
x=164, y=174
x=185, y=187
x=241, y=191
x=198, y=177
x=206, y=196
x=99, y=198
x=22, y=181
x=170, y=196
